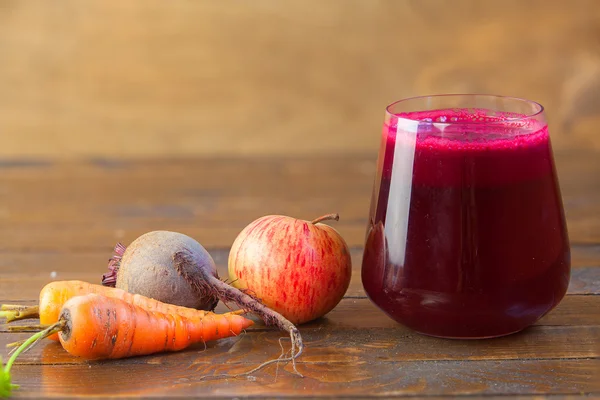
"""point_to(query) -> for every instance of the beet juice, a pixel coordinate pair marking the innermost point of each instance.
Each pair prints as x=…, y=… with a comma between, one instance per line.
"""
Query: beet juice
x=466, y=235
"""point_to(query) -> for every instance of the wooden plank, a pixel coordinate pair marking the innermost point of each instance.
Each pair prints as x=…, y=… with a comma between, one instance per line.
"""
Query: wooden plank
x=355, y=379
x=23, y=275
x=338, y=344
x=585, y=281
x=85, y=207
x=202, y=207
x=42, y=262
x=585, y=255
x=574, y=310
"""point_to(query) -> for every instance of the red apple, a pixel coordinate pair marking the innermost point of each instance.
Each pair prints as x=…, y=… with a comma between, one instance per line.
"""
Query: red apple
x=298, y=268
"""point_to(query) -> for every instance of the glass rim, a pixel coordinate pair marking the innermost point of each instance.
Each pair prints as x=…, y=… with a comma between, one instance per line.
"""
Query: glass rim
x=538, y=108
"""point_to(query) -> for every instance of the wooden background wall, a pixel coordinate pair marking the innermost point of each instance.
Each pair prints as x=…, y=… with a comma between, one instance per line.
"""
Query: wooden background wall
x=101, y=78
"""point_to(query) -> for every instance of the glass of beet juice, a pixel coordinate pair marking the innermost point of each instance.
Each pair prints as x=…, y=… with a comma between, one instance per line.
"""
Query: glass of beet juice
x=466, y=235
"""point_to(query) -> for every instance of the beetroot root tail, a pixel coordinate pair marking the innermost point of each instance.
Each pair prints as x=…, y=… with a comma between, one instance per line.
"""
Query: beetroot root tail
x=205, y=283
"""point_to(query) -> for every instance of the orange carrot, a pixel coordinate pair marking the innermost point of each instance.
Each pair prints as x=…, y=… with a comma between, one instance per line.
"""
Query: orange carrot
x=54, y=295
x=97, y=327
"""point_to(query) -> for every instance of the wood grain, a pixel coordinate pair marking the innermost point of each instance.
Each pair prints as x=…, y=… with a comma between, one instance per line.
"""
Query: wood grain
x=329, y=342
x=574, y=310
x=395, y=379
x=149, y=78
x=24, y=277
x=64, y=217
x=212, y=200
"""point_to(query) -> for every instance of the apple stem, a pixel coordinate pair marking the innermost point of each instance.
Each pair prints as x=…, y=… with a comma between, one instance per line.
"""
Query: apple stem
x=328, y=217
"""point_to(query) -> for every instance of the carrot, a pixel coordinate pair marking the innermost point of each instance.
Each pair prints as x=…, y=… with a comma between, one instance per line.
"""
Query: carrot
x=96, y=327
x=54, y=295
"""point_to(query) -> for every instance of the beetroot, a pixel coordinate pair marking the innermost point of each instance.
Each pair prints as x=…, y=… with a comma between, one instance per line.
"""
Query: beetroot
x=146, y=267
x=174, y=268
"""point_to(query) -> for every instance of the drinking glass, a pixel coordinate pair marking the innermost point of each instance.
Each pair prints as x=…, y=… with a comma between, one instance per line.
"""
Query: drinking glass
x=466, y=235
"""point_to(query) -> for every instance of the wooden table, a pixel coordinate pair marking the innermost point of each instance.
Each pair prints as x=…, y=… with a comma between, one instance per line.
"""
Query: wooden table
x=59, y=220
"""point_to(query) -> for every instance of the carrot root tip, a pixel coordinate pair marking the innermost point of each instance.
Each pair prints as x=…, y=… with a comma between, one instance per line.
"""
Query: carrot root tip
x=28, y=328
x=15, y=313
x=9, y=315
x=15, y=344
x=10, y=307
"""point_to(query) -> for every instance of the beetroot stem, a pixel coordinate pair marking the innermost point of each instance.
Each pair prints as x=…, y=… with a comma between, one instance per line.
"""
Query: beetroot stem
x=114, y=263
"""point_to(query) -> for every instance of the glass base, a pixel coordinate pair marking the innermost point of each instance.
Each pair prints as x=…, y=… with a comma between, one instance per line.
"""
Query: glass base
x=470, y=337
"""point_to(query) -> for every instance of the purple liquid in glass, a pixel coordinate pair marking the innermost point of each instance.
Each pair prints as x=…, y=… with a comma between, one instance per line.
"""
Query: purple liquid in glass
x=467, y=236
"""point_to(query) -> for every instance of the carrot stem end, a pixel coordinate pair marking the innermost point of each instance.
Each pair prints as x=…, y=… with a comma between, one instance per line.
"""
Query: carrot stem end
x=6, y=386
